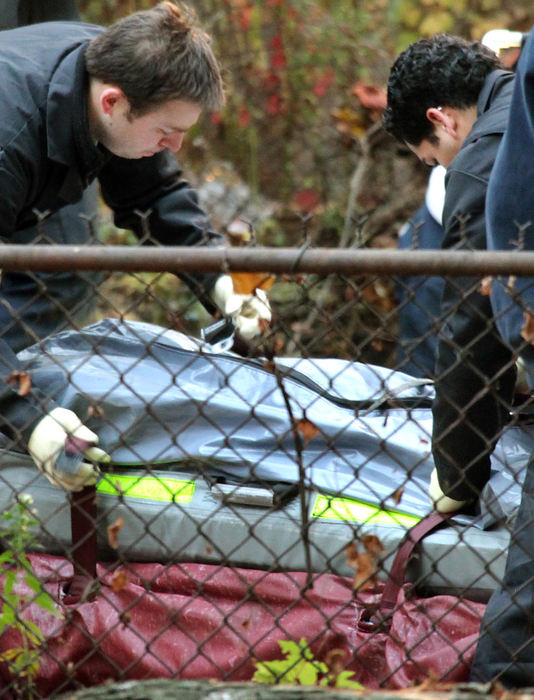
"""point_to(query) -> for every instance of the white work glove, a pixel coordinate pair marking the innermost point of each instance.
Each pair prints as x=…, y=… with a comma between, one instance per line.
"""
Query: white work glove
x=247, y=310
x=441, y=502
x=58, y=444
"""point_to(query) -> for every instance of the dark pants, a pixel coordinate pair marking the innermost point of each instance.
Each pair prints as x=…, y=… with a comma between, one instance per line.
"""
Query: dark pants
x=506, y=647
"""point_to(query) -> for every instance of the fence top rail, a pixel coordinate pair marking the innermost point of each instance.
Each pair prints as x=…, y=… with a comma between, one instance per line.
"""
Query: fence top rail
x=273, y=260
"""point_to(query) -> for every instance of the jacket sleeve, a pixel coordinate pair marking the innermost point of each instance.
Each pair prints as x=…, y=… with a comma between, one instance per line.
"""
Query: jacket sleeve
x=149, y=197
x=475, y=373
x=510, y=206
x=19, y=411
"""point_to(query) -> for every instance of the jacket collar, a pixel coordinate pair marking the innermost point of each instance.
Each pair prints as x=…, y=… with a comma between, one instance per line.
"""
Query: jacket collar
x=491, y=87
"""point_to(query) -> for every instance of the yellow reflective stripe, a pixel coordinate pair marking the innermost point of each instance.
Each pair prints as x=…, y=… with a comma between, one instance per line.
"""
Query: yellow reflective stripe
x=352, y=510
x=151, y=487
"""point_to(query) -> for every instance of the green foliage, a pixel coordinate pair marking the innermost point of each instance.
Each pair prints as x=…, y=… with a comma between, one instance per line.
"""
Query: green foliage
x=299, y=667
x=18, y=536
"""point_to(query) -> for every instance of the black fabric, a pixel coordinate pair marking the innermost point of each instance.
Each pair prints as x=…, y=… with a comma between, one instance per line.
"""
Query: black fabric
x=506, y=647
x=474, y=369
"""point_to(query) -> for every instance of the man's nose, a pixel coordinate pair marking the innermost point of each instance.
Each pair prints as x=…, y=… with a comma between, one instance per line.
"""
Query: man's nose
x=172, y=141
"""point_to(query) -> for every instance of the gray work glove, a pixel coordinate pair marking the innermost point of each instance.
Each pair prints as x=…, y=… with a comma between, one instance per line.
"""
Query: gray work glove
x=250, y=312
x=58, y=445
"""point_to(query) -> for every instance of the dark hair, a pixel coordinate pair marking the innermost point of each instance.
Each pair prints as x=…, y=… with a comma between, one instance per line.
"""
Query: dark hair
x=442, y=70
x=155, y=56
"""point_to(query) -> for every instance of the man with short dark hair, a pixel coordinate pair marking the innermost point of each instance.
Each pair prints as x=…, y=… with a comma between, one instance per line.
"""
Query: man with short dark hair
x=80, y=102
x=448, y=101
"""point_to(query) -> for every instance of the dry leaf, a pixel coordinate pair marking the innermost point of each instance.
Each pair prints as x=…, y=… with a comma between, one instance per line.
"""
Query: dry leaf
x=248, y=282
x=485, y=286
x=307, y=429
x=119, y=580
x=527, y=330
x=113, y=531
x=24, y=382
x=397, y=495
x=364, y=563
x=372, y=544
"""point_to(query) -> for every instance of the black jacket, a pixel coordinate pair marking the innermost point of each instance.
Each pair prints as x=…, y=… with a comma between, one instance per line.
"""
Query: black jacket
x=48, y=158
x=475, y=372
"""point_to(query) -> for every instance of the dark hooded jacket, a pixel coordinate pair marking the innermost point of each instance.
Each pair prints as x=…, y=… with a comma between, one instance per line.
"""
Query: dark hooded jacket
x=475, y=372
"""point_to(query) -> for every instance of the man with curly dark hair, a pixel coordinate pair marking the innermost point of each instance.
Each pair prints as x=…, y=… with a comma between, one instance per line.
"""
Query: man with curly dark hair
x=448, y=101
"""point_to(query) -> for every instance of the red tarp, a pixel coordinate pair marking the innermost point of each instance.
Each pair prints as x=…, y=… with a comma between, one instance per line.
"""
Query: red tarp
x=197, y=621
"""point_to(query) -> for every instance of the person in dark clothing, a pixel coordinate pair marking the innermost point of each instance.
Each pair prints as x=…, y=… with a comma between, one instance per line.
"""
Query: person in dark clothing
x=448, y=100
x=80, y=102
x=419, y=298
x=26, y=313
x=505, y=651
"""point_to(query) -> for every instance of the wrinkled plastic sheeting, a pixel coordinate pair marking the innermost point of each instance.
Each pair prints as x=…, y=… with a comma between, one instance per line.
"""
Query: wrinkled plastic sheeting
x=193, y=621
x=373, y=424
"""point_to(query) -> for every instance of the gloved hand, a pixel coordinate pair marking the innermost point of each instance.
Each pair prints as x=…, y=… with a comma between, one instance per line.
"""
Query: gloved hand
x=249, y=311
x=58, y=444
x=441, y=502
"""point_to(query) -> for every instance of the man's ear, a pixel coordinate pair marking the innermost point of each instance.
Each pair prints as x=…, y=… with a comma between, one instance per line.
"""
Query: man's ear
x=110, y=97
x=442, y=119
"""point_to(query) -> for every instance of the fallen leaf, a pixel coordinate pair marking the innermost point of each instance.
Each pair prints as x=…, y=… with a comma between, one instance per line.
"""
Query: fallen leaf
x=307, y=429
x=397, y=495
x=248, y=282
x=527, y=329
x=113, y=531
x=372, y=544
x=364, y=563
x=24, y=382
x=119, y=580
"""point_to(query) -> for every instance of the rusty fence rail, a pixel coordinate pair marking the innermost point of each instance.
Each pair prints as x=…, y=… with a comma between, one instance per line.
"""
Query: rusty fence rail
x=255, y=259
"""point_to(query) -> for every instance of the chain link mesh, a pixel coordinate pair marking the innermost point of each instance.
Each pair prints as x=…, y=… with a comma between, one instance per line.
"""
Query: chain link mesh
x=251, y=501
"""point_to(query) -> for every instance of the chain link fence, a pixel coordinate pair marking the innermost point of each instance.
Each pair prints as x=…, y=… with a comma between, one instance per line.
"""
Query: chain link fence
x=264, y=513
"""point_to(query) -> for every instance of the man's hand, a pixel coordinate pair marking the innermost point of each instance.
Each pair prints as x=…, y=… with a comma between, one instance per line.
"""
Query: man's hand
x=251, y=312
x=441, y=502
x=58, y=445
